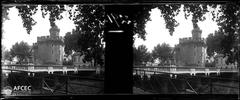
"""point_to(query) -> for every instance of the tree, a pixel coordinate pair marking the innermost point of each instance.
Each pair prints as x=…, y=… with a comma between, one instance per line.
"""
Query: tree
x=230, y=28
x=141, y=54
x=70, y=41
x=139, y=15
x=88, y=36
x=6, y=54
x=226, y=39
x=162, y=52
x=214, y=43
x=26, y=13
x=21, y=51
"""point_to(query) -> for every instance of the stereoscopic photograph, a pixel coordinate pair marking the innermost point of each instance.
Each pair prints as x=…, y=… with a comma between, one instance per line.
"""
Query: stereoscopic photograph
x=187, y=48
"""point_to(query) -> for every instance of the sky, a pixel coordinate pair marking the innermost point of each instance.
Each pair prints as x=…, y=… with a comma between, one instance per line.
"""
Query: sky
x=13, y=30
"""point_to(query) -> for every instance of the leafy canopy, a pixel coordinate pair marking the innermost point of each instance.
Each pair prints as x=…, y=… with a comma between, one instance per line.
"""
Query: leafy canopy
x=225, y=14
x=21, y=51
x=140, y=54
x=162, y=51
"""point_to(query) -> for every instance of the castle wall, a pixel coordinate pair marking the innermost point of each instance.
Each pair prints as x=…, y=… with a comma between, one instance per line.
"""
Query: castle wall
x=57, y=54
x=190, y=55
x=187, y=53
x=44, y=53
x=36, y=56
x=177, y=56
x=204, y=50
x=49, y=53
x=198, y=56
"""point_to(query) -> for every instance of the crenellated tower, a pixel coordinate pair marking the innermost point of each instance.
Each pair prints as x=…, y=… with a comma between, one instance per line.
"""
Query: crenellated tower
x=49, y=49
x=191, y=51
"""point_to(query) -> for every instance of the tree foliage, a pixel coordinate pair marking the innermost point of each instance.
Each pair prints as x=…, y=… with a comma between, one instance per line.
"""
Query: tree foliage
x=227, y=17
x=88, y=36
x=230, y=27
x=214, y=42
x=169, y=11
x=21, y=51
x=140, y=54
x=134, y=15
x=26, y=13
x=54, y=12
x=162, y=51
x=5, y=13
x=197, y=11
x=138, y=14
x=6, y=54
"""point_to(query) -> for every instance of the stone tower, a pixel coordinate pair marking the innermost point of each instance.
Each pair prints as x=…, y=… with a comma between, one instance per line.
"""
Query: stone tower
x=191, y=51
x=49, y=50
x=196, y=33
x=54, y=31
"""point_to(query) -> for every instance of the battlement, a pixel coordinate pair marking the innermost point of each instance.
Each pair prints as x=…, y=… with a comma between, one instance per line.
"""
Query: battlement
x=46, y=38
x=190, y=39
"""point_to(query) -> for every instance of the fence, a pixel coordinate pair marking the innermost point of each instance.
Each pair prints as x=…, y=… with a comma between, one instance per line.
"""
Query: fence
x=183, y=70
x=47, y=68
x=190, y=84
x=53, y=84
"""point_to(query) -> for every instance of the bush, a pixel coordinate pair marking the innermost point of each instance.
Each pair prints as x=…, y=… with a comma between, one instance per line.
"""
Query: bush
x=67, y=62
x=212, y=64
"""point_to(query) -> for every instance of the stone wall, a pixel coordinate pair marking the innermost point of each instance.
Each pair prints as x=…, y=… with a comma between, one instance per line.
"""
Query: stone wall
x=190, y=54
x=49, y=53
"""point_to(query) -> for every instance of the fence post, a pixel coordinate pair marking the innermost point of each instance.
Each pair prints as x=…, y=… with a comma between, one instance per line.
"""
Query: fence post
x=207, y=73
x=64, y=70
x=75, y=70
x=50, y=70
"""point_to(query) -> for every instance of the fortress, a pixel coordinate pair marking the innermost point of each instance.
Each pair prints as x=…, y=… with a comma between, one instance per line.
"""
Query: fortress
x=191, y=51
x=49, y=49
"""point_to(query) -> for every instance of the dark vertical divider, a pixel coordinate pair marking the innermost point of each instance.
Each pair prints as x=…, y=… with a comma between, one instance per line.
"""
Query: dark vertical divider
x=118, y=55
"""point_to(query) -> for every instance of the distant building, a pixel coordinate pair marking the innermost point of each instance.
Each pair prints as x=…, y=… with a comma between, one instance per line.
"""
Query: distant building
x=191, y=51
x=78, y=60
x=49, y=49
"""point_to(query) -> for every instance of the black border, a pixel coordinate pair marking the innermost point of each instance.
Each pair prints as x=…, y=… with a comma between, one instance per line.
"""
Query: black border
x=122, y=96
